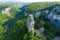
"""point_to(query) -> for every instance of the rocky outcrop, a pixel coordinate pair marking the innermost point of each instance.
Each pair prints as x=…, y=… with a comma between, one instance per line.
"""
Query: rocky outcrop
x=57, y=38
x=37, y=14
x=53, y=15
x=30, y=24
x=40, y=32
x=6, y=11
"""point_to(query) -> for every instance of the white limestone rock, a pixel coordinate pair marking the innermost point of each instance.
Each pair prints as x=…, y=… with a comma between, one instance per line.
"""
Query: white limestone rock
x=37, y=14
x=30, y=24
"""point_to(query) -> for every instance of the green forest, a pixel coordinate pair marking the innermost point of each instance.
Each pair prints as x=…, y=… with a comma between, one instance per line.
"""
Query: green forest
x=14, y=27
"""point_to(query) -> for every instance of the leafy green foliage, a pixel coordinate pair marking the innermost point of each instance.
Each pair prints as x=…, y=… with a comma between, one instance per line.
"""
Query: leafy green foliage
x=1, y=29
x=19, y=32
x=3, y=6
x=38, y=6
x=14, y=10
x=16, y=27
x=3, y=17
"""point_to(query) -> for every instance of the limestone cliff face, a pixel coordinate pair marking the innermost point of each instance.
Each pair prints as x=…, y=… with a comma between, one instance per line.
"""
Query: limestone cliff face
x=57, y=38
x=6, y=11
x=30, y=24
x=37, y=14
x=40, y=32
x=53, y=15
